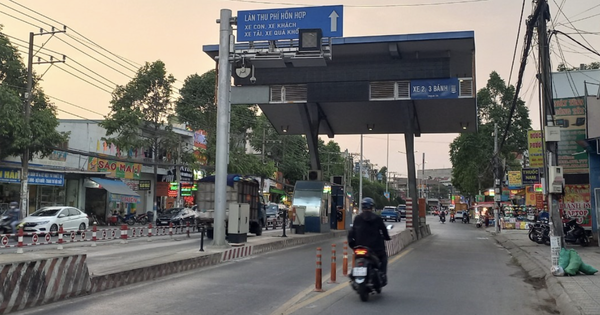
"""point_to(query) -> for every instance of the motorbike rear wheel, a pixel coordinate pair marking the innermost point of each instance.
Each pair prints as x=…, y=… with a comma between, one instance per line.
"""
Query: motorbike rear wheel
x=584, y=241
x=131, y=221
x=532, y=235
x=144, y=221
x=363, y=292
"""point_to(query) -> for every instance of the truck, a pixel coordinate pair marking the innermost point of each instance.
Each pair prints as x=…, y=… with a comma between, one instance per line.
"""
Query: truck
x=240, y=189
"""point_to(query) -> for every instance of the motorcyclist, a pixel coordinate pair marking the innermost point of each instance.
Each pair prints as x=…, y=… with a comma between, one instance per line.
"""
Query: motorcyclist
x=14, y=213
x=442, y=216
x=368, y=229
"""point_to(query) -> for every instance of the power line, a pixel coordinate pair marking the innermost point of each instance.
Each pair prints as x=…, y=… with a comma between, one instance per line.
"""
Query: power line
x=560, y=10
x=580, y=44
x=512, y=63
x=368, y=6
x=133, y=64
x=84, y=80
x=75, y=105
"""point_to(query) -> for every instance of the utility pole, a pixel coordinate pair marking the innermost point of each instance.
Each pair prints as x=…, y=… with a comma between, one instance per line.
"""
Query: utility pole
x=545, y=78
x=497, y=182
x=223, y=124
x=360, y=178
x=387, y=168
x=26, y=114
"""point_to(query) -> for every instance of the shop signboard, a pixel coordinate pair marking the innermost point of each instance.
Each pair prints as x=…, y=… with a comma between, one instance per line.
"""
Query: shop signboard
x=577, y=203
x=570, y=116
x=536, y=148
x=123, y=198
x=56, y=159
x=117, y=169
x=8, y=175
x=539, y=201
x=530, y=176
x=530, y=196
x=144, y=185
x=514, y=180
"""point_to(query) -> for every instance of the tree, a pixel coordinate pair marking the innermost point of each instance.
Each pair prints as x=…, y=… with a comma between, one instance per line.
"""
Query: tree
x=563, y=67
x=471, y=154
x=197, y=108
x=331, y=158
x=141, y=112
x=40, y=136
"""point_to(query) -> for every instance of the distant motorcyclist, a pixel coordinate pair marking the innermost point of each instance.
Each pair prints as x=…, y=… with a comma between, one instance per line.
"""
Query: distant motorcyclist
x=14, y=214
x=442, y=216
x=368, y=229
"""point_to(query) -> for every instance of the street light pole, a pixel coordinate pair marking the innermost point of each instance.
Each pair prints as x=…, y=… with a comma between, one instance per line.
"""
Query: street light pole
x=387, y=169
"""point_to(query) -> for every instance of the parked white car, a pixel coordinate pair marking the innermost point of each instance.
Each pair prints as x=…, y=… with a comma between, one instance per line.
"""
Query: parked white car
x=49, y=219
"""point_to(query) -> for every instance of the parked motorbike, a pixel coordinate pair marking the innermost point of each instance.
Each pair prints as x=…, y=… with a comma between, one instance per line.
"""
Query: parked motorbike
x=117, y=219
x=535, y=230
x=575, y=233
x=5, y=227
x=142, y=218
x=365, y=276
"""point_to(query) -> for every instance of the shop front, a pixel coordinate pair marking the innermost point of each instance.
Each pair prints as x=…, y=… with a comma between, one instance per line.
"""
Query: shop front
x=45, y=188
x=106, y=196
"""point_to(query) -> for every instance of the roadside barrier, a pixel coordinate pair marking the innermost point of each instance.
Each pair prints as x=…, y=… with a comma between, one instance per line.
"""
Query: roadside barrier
x=123, y=233
x=345, y=260
x=94, y=230
x=149, y=232
x=333, y=265
x=60, y=237
x=20, y=244
x=319, y=272
x=93, y=235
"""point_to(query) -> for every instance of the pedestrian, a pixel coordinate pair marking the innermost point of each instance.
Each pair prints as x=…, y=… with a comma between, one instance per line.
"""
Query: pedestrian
x=14, y=213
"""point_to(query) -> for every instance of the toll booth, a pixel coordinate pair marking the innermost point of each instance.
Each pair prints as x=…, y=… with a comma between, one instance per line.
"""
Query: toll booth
x=315, y=197
x=338, y=207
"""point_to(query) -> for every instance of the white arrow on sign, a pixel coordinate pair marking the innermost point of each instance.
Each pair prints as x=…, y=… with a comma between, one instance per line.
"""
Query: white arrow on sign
x=333, y=17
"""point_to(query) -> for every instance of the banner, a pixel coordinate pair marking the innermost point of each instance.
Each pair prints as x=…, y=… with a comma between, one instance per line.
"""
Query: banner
x=514, y=180
x=570, y=116
x=117, y=169
x=8, y=175
x=536, y=148
x=577, y=203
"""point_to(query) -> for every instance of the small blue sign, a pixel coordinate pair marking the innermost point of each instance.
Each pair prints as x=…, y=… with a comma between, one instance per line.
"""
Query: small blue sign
x=434, y=89
x=275, y=24
x=33, y=177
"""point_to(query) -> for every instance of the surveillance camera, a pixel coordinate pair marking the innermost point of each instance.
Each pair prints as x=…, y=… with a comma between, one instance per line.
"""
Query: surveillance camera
x=252, y=80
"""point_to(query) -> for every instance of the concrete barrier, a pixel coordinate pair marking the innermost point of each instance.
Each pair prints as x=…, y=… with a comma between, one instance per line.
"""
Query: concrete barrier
x=122, y=278
x=39, y=281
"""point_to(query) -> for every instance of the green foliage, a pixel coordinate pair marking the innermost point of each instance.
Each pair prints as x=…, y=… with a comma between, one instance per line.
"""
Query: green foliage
x=141, y=110
x=563, y=67
x=40, y=136
x=332, y=161
x=471, y=154
x=374, y=190
x=198, y=109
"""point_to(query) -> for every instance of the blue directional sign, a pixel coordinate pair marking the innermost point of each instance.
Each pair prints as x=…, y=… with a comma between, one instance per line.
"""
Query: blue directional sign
x=274, y=24
x=436, y=88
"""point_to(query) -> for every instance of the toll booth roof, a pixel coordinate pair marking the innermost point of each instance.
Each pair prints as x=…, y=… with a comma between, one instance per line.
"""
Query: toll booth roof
x=367, y=84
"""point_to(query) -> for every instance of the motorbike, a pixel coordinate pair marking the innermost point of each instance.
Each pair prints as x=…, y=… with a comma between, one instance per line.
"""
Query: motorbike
x=443, y=219
x=5, y=227
x=465, y=218
x=452, y=219
x=365, y=277
x=142, y=218
x=535, y=229
x=117, y=219
x=575, y=233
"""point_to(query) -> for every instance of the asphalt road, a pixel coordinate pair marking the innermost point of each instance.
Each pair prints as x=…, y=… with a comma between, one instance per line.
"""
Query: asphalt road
x=458, y=270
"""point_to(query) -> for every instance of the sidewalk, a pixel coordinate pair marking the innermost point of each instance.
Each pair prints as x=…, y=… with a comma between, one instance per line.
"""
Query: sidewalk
x=574, y=295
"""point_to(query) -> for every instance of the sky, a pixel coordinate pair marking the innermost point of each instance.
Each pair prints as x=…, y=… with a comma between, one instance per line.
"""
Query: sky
x=126, y=34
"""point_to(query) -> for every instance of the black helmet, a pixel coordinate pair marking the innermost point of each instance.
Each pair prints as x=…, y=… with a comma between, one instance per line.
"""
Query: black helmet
x=367, y=203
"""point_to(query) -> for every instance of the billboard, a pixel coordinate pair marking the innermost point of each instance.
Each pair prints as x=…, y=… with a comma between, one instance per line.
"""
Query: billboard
x=570, y=116
x=592, y=105
x=536, y=148
x=577, y=203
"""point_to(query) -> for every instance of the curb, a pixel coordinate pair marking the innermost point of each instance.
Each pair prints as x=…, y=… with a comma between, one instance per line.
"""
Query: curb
x=564, y=303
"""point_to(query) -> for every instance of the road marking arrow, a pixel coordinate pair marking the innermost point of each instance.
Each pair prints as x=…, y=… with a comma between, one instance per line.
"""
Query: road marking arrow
x=333, y=17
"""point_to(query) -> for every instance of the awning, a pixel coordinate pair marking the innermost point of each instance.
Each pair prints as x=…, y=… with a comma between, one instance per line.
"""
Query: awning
x=115, y=187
